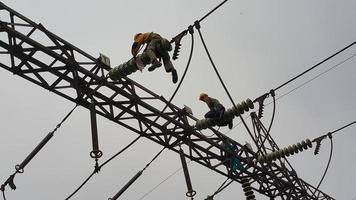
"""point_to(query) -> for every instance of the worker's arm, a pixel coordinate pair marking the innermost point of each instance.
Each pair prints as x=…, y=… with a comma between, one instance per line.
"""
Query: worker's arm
x=135, y=48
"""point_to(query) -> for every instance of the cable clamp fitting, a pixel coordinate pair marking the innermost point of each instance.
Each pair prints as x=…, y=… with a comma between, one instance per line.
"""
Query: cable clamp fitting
x=197, y=24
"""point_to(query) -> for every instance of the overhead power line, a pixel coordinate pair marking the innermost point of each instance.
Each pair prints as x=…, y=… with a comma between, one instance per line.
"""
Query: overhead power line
x=44, y=141
x=213, y=10
x=311, y=68
x=98, y=168
x=178, y=169
x=315, y=77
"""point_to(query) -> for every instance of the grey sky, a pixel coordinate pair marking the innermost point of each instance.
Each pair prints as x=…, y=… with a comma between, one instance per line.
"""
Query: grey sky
x=256, y=46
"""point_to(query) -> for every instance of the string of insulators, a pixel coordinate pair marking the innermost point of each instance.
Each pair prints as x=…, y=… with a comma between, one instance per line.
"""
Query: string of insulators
x=229, y=114
x=317, y=147
x=95, y=153
x=287, y=151
x=260, y=101
x=123, y=70
x=246, y=186
x=128, y=184
x=129, y=67
x=190, y=193
x=177, y=39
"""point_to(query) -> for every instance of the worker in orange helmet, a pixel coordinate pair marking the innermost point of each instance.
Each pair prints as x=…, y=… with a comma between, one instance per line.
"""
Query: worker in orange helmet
x=156, y=48
x=216, y=111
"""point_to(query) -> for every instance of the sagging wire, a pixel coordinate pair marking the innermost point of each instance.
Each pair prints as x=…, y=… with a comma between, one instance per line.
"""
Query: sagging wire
x=164, y=180
x=296, y=148
x=316, y=65
x=133, y=179
x=289, y=92
x=274, y=101
x=315, y=77
x=328, y=164
x=177, y=39
x=20, y=167
x=197, y=26
x=98, y=168
x=319, y=139
x=3, y=195
x=191, y=31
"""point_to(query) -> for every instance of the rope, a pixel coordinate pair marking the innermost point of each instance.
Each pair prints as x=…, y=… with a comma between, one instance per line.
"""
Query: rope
x=97, y=169
x=311, y=68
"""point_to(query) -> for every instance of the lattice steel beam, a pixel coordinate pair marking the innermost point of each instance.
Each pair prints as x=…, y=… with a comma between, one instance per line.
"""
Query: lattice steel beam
x=31, y=51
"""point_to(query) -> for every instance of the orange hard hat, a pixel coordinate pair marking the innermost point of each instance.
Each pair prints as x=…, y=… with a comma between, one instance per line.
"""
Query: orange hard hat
x=137, y=37
x=202, y=96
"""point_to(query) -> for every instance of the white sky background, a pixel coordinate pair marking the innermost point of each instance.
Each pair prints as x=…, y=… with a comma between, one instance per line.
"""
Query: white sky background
x=256, y=45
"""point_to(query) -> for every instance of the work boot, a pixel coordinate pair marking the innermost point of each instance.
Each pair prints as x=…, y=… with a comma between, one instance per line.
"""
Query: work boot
x=155, y=64
x=230, y=124
x=174, y=76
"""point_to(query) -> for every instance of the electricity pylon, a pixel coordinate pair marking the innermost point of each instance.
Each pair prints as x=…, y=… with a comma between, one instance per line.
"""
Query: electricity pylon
x=30, y=51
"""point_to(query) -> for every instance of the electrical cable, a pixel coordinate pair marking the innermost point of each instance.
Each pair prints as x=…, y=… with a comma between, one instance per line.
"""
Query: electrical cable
x=327, y=166
x=20, y=168
x=133, y=179
x=331, y=151
x=213, y=10
x=301, y=85
x=97, y=169
x=164, y=180
x=180, y=82
x=273, y=114
x=221, y=188
x=173, y=95
x=3, y=194
x=339, y=129
x=311, y=68
x=154, y=158
x=315, y=77
x=197, y=26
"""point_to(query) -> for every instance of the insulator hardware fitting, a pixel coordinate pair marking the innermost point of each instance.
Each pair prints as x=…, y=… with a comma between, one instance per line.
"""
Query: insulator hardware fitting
x=245, y=106
x=246, y=185
x=285, y=152
x=229, y=114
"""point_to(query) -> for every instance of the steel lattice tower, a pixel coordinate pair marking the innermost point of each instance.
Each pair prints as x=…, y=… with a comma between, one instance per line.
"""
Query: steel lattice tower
x=58, y=66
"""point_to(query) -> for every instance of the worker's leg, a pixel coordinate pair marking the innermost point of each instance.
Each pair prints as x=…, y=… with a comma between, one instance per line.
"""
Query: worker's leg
x=169, y=66
x=211, y=114
x=150, y=51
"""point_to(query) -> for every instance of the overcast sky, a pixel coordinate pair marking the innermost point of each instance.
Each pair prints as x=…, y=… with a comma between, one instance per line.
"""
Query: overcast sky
x=256, y=45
